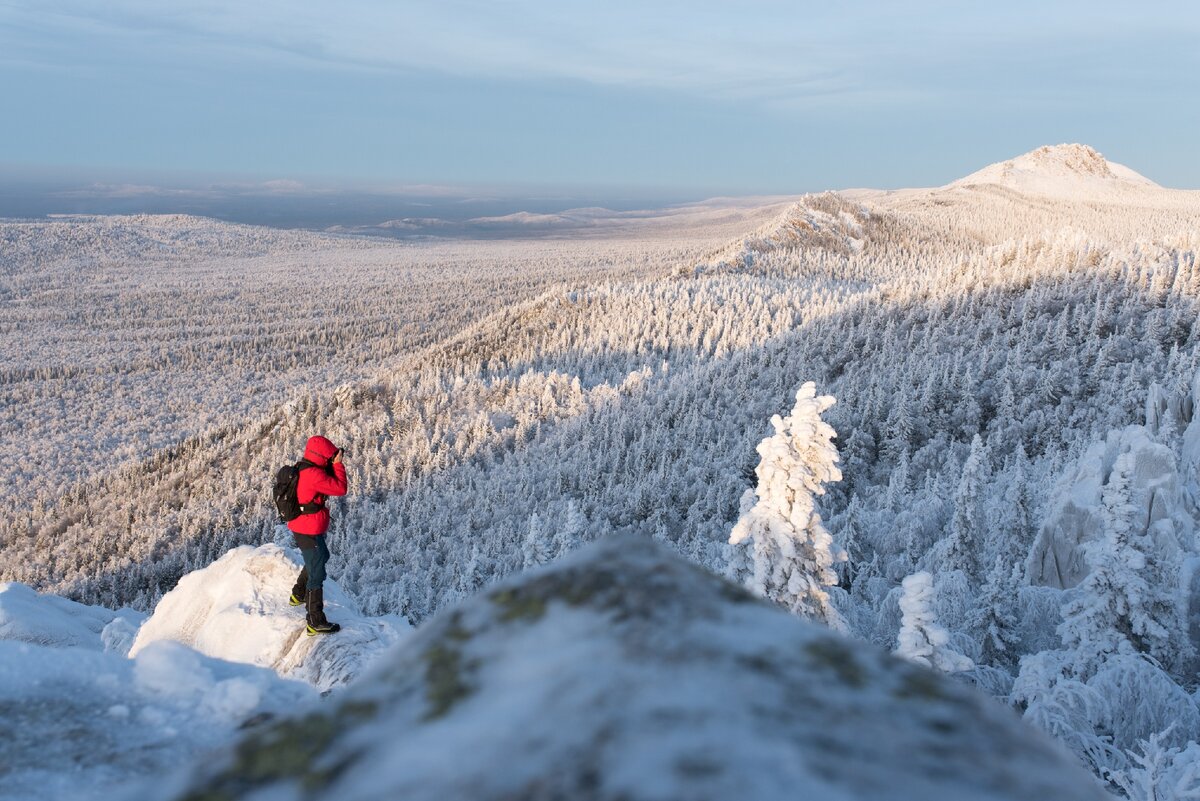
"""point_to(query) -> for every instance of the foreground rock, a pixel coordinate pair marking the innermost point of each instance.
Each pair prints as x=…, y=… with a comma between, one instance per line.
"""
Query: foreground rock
x=625, y=673
x=237, y=609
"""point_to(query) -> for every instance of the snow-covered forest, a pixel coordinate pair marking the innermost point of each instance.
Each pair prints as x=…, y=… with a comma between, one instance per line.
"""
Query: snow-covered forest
x=1015, y=359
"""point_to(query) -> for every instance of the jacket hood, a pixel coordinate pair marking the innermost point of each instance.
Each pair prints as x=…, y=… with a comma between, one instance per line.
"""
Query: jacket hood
x=319, y=451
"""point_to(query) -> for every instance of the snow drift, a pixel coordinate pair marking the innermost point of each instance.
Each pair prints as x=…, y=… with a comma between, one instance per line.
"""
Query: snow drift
x=84, y=720
x=237, y=609
x=43, y=619
x=624, y=672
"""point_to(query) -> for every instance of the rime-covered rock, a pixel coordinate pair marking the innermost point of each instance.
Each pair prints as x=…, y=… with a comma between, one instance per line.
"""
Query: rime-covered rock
x=237, y=609
x=625, y=672
x=1074, y=517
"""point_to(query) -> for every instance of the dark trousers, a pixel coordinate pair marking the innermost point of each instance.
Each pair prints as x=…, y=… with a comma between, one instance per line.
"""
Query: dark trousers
x=315, y=554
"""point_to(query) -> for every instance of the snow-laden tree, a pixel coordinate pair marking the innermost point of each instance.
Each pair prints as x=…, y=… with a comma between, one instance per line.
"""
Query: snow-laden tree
x=1159, y=772
x=1066, y=708
x=993, y=617
x=850, y=541
x=570, y=532
x=921, y=639
x=537, y=544
x=1014, y=517
x=471, y=577
x=963, y=545
x=1128, y=600
x=793, y=554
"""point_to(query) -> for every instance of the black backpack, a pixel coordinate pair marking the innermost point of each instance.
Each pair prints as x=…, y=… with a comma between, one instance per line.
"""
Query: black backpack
x=286, y=501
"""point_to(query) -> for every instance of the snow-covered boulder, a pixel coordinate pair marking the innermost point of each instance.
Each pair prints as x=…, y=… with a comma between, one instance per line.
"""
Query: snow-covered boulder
x=1074, y=516
x=625, y=672
x=237, y=609
x=80, y=724
x=32, y=617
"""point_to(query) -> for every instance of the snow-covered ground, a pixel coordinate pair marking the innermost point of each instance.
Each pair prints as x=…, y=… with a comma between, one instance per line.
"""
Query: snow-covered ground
x=93, y=700
x=43, y=619
x=82, y=723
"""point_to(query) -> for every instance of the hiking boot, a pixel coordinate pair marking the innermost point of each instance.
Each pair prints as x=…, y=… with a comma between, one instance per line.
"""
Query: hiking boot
x=299, y=589
x=317, y=623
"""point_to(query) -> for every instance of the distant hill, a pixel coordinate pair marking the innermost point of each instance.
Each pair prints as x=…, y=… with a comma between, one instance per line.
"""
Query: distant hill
x=1068, y=171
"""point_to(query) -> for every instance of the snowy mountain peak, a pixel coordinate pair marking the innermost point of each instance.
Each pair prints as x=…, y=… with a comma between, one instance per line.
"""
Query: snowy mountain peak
x=1066, y=159
x=1066, y=170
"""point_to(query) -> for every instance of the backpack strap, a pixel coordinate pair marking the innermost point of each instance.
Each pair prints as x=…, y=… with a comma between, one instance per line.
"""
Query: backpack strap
x=312, y=507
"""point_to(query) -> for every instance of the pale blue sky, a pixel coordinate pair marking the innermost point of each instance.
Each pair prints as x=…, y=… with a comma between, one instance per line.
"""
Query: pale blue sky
x=694, y=97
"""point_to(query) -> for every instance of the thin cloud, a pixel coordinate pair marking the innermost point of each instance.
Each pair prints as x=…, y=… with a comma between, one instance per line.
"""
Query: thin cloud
x=774, y=52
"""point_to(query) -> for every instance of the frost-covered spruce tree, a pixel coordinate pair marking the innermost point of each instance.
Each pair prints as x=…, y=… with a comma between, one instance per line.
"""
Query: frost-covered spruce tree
x=1159, y=772
x=993, y=617
x=793, y=555
x=471, y=577
x=921, y=639
x=962, y=548
x=536, y=547
x=571, y=531
x=1126, y=602
x=1015, y=518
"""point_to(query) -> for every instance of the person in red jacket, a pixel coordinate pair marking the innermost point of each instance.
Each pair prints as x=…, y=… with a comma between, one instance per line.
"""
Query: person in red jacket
x=322, y=476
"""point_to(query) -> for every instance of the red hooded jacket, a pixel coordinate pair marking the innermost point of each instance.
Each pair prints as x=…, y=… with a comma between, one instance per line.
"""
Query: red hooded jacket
x=316, y=484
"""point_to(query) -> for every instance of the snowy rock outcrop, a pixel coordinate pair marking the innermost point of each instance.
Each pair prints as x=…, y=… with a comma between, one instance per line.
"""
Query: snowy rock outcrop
x=41, y=619
x=826, y=221
x=237, y=609
x=1074, y=515
x=625, y=672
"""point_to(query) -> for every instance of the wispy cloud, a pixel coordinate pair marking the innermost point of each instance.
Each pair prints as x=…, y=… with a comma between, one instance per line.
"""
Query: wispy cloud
x=759, y=50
